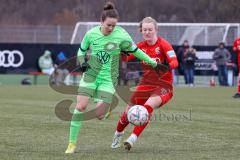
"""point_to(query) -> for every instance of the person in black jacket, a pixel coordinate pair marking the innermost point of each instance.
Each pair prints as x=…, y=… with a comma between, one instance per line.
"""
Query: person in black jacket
x=180, y=55
x=189, y=59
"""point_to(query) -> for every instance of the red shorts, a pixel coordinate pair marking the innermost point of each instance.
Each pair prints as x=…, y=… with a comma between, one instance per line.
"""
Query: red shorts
x=143, y=92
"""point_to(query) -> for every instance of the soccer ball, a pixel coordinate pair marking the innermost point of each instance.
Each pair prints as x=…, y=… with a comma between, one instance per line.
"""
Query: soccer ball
x=137, y=115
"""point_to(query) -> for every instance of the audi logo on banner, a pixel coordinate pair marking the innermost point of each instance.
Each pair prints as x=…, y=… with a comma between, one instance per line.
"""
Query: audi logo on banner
x=11, y=58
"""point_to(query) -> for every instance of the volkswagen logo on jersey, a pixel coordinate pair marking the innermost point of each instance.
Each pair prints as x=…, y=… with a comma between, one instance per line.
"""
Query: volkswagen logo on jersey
x=103, y=57
x=11, y=58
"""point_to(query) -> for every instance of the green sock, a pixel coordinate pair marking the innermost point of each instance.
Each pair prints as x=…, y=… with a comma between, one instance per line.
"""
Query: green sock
x=76, y=124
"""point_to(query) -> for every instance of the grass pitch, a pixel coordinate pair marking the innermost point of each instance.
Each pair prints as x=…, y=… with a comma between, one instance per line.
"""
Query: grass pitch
x=199, y=123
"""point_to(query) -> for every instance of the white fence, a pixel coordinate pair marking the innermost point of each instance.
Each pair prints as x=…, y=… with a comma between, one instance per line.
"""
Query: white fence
x=206, y=34
x=35, y=34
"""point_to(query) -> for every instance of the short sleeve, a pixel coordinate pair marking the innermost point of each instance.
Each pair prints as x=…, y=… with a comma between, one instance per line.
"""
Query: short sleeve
x=168, y=49
x=127, y=38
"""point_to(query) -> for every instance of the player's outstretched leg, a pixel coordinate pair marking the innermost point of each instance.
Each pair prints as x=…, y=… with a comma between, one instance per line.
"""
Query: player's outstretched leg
x=75, y=126
x=137, y=130
x=117, y=138
x=121, y=125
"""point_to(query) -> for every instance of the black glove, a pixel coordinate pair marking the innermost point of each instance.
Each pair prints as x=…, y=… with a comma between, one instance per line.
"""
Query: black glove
x=85, y=66
x=161, y=67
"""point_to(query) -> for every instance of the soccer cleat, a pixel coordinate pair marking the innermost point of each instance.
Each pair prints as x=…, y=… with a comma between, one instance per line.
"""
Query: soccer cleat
x=71, y=148
x=116, y=143
x=107, y=115
x=127, y=145
x=237, y=95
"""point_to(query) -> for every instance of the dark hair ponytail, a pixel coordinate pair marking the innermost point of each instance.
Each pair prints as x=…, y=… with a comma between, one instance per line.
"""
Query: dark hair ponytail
x=109, y=10
x=108, y=6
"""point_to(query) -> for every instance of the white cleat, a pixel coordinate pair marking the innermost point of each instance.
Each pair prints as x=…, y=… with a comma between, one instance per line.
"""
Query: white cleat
x=116, y=143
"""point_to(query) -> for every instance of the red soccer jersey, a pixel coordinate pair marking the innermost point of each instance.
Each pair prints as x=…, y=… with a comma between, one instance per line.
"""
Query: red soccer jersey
x=236, y=48
x=161, y=51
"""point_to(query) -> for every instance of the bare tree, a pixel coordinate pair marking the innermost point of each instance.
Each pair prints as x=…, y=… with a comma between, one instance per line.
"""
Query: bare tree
x=68, y=12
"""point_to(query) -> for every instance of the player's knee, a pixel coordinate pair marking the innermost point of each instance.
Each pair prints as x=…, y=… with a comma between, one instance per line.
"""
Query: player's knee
x=100, y=117
x=81, y=107
x=100, y=114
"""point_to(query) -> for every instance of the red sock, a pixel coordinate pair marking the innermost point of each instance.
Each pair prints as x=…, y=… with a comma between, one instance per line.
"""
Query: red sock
x=123, y=122
x=137, y=130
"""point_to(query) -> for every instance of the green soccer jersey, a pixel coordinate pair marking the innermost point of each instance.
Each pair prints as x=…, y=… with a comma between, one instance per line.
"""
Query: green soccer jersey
x=105, y=51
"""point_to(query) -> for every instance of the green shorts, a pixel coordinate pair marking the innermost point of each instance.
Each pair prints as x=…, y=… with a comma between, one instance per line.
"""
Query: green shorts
x=97, y=88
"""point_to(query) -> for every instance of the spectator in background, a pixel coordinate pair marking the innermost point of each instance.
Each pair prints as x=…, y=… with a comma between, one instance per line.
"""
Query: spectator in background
x=62, y=71
x=180, y=54
x=236, y=49
x=123, y=72
x=189, y=59
x=222, y=56
x=45, y=63
x=132, y=74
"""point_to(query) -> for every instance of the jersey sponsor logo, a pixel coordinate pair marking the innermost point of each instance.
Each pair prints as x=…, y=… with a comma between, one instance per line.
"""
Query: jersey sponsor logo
x=11, y=58
x=157, y=50
x=171, y=54
x=103, y=57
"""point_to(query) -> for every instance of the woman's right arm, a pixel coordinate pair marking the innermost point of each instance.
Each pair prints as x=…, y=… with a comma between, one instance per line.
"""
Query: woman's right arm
x=84, y=46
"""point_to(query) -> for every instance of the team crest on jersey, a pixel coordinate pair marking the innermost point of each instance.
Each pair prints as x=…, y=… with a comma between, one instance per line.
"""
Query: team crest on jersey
x=103, y=57
x=110, y=46
x=157, y=50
